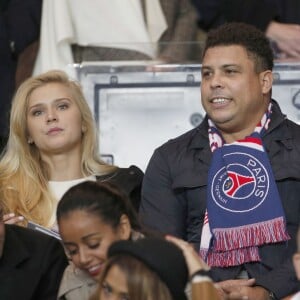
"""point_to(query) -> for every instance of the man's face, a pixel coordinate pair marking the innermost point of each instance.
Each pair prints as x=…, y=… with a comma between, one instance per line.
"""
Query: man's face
x=233, y=94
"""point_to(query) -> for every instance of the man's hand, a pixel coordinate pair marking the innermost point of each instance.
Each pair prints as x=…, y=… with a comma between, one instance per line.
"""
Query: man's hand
x=245, y=292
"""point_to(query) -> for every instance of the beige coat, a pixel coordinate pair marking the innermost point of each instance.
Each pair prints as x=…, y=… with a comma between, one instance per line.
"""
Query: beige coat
x=76, y=285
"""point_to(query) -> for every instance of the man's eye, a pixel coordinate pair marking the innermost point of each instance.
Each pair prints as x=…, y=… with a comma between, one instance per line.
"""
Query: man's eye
x=206, y=73
x=230, y=71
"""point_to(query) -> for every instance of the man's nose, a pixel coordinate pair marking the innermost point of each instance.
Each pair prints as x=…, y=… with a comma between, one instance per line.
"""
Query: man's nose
x=216, y=81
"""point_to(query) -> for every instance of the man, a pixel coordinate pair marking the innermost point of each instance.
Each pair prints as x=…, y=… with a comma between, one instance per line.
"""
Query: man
x=231, y=186
x=31, y=264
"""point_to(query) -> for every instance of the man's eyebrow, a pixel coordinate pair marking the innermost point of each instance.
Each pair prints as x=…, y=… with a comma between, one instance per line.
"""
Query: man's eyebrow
x=222, y=66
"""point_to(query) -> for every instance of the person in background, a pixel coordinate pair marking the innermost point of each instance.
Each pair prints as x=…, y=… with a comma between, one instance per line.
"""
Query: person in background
x=279, y=19
x=52, y=146
x=143, y=30
x=31, y=263
x=20, y=23
x=228, y=185
x=153, y=268
x=91, y=216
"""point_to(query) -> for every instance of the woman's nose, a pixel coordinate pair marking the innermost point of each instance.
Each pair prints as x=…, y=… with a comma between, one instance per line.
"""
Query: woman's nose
x=83, y=257
x=51, y=116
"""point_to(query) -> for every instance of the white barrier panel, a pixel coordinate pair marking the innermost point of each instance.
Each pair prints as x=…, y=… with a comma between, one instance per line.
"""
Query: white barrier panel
x=137, y=109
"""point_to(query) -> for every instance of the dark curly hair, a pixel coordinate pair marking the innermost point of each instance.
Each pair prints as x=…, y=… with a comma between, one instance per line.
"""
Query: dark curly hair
x=249, y=37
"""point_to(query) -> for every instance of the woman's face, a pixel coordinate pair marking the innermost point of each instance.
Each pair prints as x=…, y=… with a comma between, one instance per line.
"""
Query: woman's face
x=54, y=121
x=114, y=285
x=87, y=239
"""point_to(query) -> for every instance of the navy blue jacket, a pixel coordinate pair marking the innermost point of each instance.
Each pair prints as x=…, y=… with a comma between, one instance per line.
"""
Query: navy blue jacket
x=174, y=196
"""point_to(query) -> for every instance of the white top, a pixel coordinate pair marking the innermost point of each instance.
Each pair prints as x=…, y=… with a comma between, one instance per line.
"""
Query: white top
x=58, y=188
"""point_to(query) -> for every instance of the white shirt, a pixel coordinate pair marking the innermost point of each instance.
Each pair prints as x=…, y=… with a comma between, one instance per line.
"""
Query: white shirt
x=58, y=188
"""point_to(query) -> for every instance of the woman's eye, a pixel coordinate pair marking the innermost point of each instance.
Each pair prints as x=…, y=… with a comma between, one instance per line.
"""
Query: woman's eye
x=63, y=106
x=106, y=289
x=36, y=113
x=71, y=252
x=94, y=246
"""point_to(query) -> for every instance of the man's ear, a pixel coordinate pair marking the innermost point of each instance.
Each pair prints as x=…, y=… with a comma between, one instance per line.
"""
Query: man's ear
x=266, y=79
x=124, y=228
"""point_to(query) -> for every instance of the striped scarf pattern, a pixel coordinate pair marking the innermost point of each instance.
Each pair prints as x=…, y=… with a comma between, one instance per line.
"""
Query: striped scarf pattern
x=244, y=209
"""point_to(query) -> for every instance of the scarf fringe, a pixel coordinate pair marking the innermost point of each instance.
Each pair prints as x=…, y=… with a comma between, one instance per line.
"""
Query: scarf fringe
x=271, y=231
x=230, y=258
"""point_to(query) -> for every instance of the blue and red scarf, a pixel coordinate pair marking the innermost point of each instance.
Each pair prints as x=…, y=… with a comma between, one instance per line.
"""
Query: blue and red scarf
x=244, y=209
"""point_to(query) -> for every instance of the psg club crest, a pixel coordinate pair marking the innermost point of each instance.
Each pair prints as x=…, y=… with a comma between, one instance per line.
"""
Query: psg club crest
x=241, y=186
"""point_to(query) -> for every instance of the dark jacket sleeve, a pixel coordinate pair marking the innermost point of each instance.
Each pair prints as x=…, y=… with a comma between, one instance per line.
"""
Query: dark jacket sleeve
x=52, y=267
x=23, y=20
x=273, y=280
x=161, y=209
x=255, y=12
x=129, y=180
x=209, y=12
x=261, y=12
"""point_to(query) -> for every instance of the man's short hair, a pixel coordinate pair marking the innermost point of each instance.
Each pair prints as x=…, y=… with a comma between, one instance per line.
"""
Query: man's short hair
x=249, y=37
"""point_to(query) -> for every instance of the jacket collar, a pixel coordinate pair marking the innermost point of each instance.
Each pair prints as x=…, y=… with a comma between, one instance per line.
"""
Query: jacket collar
x=282, y=134
x=75, y=279
x=200, y=140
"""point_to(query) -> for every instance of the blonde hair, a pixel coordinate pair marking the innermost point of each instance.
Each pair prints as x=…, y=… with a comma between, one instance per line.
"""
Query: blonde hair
x=23, y=176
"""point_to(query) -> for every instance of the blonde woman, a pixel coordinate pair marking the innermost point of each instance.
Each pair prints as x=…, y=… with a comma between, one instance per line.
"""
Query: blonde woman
x=52, y=146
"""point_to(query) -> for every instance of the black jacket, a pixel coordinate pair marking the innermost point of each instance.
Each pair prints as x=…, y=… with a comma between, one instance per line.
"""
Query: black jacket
x=261, y=12
x=31, y=266
x=129, y=180
x=174, y=196
x=19, y=27
x=212, y=13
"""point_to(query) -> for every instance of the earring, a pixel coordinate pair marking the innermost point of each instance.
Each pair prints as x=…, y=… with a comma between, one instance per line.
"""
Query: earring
x=30, y=141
